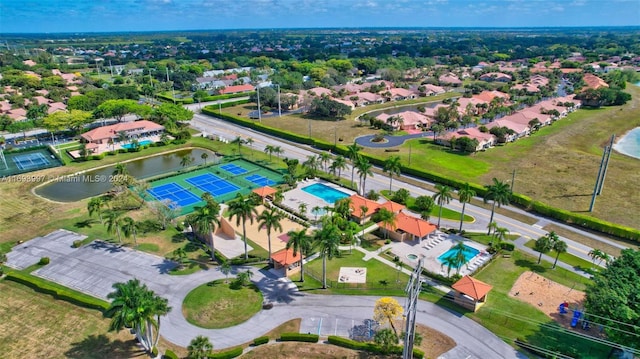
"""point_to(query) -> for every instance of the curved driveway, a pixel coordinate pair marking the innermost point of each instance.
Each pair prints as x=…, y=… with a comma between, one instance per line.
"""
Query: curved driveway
x=473, y=340
x=392, y=141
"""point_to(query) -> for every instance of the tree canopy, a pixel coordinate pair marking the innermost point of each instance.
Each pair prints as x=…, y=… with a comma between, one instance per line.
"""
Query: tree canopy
x=614, y=297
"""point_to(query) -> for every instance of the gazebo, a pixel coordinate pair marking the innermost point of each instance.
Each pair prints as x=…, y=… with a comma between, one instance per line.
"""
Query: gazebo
x=265, y=192
x=470, y=292
x=284, y=259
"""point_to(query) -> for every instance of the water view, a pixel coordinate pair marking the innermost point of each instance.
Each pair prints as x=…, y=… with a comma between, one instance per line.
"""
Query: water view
x=629, y=144
x=95, y=182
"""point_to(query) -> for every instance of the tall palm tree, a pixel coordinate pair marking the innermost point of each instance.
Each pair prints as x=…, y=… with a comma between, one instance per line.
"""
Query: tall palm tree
x=129, y=228
x=560, y=247
x=353, y=153
x=500, y=234
x=204, y=157
x=311, y=164
x=465, y=194
x=95, y=205
x=392, y=166
x=186, y=161
x=327, y=240
x=542, y=245
x=135, y=306
x=269, y=149
x=243, y=209
x=364, y=169
x=388, y=220
x=113, y=223
x=443, y=195
x=199, y=348
x=205, y=219
x=499, y=192
x=339, y=163
x=238, y=140
x=363, y=211
x=278, y=151
x=324, y=159
x=270, y=219
x=459, y=250
x=300, y=242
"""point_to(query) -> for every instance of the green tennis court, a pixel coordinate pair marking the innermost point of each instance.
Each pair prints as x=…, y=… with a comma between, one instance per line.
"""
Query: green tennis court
x=223, y=181
x=27, y=161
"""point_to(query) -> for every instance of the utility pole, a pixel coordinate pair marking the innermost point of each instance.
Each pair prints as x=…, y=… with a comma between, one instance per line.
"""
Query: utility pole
x=606, y=164
x=259, y=111
x=413, y=291
x=598, y=179
x=279, y=107
x=409, y=153
x=513, y=179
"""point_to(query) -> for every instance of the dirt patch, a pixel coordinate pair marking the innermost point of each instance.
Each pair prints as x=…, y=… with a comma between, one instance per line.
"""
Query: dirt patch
x=547, y=295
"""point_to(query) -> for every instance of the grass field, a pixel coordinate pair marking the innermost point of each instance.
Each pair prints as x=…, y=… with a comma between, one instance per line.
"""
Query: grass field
x=219, y=305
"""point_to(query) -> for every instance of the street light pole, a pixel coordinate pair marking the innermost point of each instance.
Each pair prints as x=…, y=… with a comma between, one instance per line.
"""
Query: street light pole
x=259, y=111
x=279, y=107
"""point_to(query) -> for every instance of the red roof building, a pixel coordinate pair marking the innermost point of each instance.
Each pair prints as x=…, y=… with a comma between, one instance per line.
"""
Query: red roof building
x=237, y=89
x=470, y=292
x=131, y=129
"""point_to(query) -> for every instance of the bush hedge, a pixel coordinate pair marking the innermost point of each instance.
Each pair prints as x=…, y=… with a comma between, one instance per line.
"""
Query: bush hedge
x=58, y=292
x=170, y=355
x=507, y=246
x=44, y=261
x=227, y=354
x=299, y=337
x=369, y=347
x=260, y=340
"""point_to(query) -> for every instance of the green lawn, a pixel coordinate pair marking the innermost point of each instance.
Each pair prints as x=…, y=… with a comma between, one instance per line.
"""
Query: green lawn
x=218, y=305
x=378, y=274
x=435, y=211
x=487, y=239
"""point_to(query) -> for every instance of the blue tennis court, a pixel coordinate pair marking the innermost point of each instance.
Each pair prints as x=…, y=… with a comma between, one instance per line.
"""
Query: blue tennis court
x=175, y=193
x=30, y=161
x=213, y=184
x=233, y=169
x=260, y=180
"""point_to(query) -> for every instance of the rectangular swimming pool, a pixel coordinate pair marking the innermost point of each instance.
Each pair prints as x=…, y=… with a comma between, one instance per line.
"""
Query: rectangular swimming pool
x=469, y=253
x=141, y=143
x=324, y=192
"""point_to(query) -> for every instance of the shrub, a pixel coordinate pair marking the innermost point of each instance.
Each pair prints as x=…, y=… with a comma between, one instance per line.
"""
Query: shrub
x=154, y=351
x=77, y=244
x=170, y=355
x=507, y=246
x=1, y=271
x=260, y=341
x=369, y=347
x=44, y=261
x=227, y=354
x=298, y=337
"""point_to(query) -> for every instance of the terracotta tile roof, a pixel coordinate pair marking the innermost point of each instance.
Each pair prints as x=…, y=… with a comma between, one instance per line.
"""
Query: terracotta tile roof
x=111, y=131
x=393, y=206
x=412, y=225
x=264, y=191
x=594, y=82
x=357, y=201
x=285, y=257
x=237, y=88
x=472, y=287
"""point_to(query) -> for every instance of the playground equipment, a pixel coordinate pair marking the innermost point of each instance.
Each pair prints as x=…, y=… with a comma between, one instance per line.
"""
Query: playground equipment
x=576, y=317
x=563, y=307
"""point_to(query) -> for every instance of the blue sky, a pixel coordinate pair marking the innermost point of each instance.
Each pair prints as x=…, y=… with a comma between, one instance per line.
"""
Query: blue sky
x=150, y=15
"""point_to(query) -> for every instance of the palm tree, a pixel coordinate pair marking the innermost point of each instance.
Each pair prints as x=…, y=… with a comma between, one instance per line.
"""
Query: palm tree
x=542, y=245
x=270, y=219
x=364, y=169
x=500, y=234
x=205, y=219
x=459, y=250
x=95, y=205
x=339, y=163
x=135, y=306
x=312, y=163
x=392, y=166
x=388, y=220
x=363, y=211
x=239, y=141
x=120, y=170
x=465, y=194
x=199, y=348
x=327, y=240
x=186, y=161
x=278, y=151
x=243, y=209
x=129, y=228
x=353, y=155
x=324, y=159
x=599, y=255
x=204, y=157
x=269, y=149
x=444, y=194
x=113, y=223
x=299, y=241
x=560, y=247
x=225, y=268
x=499, y=192
x=450, y=262
x=302, y=208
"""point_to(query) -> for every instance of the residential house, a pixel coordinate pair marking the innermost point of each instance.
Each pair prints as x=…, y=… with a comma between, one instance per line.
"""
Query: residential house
x=56, y=106
x=593, y=82
x=449, y=79
x=432, y=90
x=356, y=204
x=485, y=140
x=408, y=228
x=399, y=94
x=495, y=77
x=520, y=130
x=411, y=120
x=237, y=89
x=365, y=99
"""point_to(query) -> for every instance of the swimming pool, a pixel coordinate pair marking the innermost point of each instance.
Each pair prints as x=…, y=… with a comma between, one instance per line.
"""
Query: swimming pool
x=469, y=253
x=324, y=192
x=141, y=143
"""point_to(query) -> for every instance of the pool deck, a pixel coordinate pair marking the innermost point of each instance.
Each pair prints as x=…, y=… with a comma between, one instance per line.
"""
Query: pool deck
x=437, y=244
x=296, y=196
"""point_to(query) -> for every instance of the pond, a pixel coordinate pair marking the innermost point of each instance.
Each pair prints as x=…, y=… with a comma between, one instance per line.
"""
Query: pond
x=629, y=144
x=94, y=182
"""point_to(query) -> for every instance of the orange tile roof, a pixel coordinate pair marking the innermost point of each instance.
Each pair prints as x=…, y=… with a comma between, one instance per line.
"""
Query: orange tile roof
x=594, y=81
x=358, y=201
x=264, y=191
x=111, y=131
x=285, y=257
x=412, y=225
x=393, y=206
x=237, y=88
x=472, y=287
